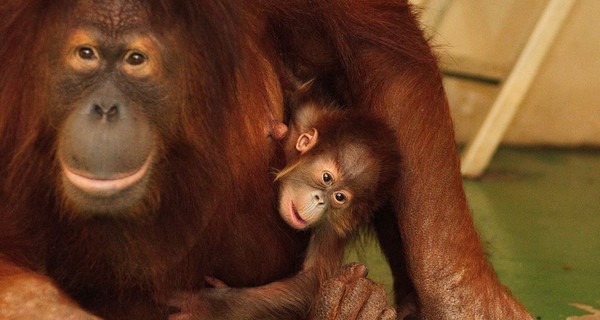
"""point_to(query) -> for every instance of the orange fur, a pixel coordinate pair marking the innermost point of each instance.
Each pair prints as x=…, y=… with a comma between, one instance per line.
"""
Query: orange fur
x=210, y=209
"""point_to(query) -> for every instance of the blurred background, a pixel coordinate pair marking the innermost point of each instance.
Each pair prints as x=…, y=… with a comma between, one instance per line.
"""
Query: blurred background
x=484, y=39
x=523, y=82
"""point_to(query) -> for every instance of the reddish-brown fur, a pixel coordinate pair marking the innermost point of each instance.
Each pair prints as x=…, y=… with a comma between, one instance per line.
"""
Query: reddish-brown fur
x=213, y=210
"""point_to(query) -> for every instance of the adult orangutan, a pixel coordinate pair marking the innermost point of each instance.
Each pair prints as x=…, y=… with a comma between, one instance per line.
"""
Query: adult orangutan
x=135, y=154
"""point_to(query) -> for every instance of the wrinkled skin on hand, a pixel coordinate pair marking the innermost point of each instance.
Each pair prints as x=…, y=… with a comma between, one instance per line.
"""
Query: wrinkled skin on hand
x=351, y=295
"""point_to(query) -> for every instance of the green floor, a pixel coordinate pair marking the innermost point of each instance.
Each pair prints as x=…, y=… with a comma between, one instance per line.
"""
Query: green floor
x=538, y=213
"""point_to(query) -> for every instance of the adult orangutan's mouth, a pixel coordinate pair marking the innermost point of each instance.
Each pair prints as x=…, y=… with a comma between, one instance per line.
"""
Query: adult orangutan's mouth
x=105, y=187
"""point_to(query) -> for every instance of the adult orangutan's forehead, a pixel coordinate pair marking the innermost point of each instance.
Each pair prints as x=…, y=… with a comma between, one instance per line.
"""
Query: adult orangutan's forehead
x=113, y=17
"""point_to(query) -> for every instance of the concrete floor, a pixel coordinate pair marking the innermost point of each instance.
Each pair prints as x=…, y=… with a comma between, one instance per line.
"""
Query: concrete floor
x=538, y=213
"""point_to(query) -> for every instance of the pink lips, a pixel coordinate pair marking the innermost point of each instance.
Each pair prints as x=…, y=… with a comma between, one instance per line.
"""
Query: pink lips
x=297, y=221
x=106, y=187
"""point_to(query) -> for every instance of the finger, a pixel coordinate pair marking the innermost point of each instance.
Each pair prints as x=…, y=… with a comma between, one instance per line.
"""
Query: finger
x=374, y=305
x=352, y=271
x=387, y=314
x=215, y=283
x=354, y=299
x=280, y=130
x=180, y=316
x=328, y=302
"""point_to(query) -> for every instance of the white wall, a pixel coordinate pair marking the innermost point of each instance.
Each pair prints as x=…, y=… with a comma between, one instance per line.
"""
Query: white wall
x=485, y=37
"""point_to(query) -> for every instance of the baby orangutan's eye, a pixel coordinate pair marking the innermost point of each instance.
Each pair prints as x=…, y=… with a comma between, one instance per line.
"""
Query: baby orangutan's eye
x=327, y=178
x=340, y=197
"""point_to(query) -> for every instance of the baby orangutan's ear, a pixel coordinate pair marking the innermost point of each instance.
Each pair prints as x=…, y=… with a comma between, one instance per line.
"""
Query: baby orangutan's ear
x=307, y=140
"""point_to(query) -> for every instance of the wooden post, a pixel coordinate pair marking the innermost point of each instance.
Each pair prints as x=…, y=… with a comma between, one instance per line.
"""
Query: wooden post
x=482, y=148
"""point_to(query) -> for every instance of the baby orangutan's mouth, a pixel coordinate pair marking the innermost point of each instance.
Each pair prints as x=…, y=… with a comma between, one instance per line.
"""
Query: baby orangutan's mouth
x=296, y=214
x=299, y=223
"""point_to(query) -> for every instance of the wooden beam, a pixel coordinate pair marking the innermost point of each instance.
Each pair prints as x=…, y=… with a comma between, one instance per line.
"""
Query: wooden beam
x=482, y=148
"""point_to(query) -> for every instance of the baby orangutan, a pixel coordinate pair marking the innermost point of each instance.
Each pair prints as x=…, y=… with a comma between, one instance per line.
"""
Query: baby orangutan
x=341, y=166
x=340, y=170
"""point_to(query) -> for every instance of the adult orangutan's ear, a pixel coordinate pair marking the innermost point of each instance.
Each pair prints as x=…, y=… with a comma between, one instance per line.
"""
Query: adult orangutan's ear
x=307, y=140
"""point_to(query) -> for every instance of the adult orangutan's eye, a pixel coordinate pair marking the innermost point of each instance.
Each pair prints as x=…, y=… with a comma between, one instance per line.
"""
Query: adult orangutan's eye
x=87, y=53
x=135, y=58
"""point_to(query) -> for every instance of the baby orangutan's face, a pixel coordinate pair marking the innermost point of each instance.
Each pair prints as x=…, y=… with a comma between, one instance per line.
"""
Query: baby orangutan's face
x=310, y=190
